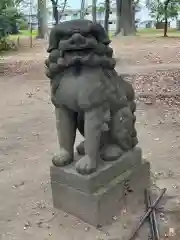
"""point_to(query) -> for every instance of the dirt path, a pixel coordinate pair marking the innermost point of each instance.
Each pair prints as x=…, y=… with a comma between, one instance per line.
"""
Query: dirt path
x=27, y=142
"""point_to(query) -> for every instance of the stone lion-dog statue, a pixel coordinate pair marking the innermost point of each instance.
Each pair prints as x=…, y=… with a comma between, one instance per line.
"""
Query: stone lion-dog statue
x=88, y=95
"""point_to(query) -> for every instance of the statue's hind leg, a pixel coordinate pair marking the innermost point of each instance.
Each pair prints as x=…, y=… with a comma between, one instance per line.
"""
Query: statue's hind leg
x=66, y=123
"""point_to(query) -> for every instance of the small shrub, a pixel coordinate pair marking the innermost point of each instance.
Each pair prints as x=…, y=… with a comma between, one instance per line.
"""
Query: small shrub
x=4, y=27
x=22, y=24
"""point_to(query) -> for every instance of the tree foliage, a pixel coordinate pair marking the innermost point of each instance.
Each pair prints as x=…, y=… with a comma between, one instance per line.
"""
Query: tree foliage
x=9, y=17
x=157, y=9
x=161, y=11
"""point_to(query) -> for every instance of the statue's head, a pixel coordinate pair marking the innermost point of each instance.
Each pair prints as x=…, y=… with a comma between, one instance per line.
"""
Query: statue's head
x=77, y=43
x=77, y=33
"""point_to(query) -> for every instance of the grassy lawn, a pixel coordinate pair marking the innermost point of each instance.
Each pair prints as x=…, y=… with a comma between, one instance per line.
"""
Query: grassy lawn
x=23, y=33
x=147, y=32
x=152, y=32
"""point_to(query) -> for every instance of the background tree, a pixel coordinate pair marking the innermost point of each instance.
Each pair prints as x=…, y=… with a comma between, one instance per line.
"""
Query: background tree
x=55, y=11
x=9, y=20
x=41, y=15
x=125, y=13
x=162, y=11
x=94, y=10
x=136, y=7
x=156, y=9
x=126, y=21
x=10, y=16
x=106, y=16
x=166, y=3
x=83, y=10
x=118, y=16
x=62, y=7
x=171, y=10
x=58, y=7
x=4, y=27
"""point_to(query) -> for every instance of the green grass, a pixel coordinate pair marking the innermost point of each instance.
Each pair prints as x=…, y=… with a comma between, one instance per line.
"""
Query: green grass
x=28, y=33
x=111, y=34
x=152, y=32
x=147, y=32
x=14, y=38
x=23, y=33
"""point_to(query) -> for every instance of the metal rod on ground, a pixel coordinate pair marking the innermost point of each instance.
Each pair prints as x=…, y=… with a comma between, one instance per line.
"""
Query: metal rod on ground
x=155, y=225
x=147, y=214
x=148, y=204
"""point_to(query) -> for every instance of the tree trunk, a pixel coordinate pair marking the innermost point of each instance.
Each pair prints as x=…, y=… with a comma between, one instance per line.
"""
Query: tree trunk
x=134, y=9
x=166, y=17
x=62, y=11
x=118, y=16
x=82, y=13
x=41, y=19
x=55, y=11
x=55, y=14
x=106, y=19
x=94, y=11
x=127, y=27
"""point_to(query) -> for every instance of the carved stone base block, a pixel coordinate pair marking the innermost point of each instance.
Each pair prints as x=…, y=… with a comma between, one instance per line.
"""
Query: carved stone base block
x=98, y=197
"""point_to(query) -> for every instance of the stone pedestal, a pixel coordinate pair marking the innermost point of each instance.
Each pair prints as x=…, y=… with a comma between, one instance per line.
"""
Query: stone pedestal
x=98, y=197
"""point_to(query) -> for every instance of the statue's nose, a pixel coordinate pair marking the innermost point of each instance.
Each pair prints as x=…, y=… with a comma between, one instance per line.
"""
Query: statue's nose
x=77, y=38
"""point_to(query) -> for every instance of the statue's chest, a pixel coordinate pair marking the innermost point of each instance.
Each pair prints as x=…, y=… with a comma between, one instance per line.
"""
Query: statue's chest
x=67, y=92
x=77, y=92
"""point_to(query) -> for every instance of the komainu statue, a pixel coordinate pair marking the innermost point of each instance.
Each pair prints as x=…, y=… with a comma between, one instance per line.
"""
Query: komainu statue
x=88, y=95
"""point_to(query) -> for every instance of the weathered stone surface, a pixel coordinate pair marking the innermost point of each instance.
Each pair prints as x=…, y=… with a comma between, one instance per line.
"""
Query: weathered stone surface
x=89, y=95
x=104, y=174
x=98, y=208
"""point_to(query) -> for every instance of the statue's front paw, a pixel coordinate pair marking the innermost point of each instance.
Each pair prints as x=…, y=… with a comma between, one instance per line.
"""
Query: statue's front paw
x=86, y=166
x=62, y=159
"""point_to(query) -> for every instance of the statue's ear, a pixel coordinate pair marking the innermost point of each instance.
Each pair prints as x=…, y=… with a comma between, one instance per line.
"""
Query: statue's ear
x=57, y=33
x=54, y=39
x=99, y=32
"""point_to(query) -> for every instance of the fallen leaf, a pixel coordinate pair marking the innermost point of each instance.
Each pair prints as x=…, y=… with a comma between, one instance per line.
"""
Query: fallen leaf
x=171, y=232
